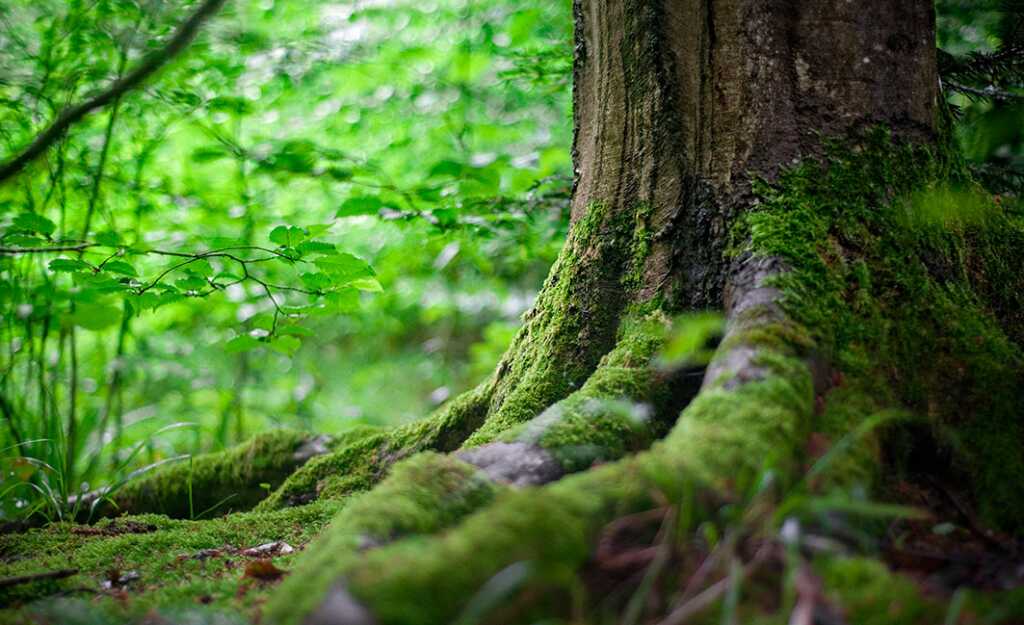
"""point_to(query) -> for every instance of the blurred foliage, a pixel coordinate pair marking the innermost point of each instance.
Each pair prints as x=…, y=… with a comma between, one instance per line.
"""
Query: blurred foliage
x=319, y=215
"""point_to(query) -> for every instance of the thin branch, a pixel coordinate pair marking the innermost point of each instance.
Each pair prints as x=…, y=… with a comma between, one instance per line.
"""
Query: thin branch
x=148, y=66
x=43, y=250
x=7, y=582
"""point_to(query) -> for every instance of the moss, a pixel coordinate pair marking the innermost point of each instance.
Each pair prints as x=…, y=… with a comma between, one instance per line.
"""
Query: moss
x=915, y=300
x=215, y=483
x=167, y=554
x=721, y=442
x=868, y=593
x=421, y=496
x=363, y=462
x=574, y=322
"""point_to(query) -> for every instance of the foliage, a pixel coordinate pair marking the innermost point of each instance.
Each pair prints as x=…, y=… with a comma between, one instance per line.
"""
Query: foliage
x=309, y=218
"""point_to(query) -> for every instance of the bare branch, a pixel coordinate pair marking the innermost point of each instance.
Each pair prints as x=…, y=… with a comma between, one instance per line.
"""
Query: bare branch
x=147, y=67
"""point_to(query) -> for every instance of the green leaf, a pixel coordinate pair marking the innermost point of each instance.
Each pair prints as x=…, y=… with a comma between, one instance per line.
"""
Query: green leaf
x=343, y=300
x=339, y=174
x=316, y=247
x=316, y=281
x=95, y=316
x=109, y=238
x=191, y=283
x=295, y=331
x=34, y=222
x=287, y=236
x=201, y=268
x=241, y=343
x=208, y=154
x=68, y=264
x=286, y=345
x=446, y=168
x=367, y=284
x=360, y=205
x=343, y=268
x=121, y=267
x=262, y=321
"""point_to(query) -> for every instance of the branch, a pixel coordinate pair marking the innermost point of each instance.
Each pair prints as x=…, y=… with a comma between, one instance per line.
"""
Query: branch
x=7, y=582
x=148, y=66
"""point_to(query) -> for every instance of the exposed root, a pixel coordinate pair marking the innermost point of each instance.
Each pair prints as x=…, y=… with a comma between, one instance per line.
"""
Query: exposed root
x=215, y=483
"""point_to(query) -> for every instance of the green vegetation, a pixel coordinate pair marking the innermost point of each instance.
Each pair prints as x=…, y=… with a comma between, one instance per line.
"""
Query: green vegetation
x=262, y=315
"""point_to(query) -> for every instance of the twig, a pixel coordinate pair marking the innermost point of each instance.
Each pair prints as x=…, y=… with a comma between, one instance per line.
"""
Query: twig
x=712, y=593
x=17, y=580
x=148, y=66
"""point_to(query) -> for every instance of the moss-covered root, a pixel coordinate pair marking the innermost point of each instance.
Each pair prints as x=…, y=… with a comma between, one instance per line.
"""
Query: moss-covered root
x=216, y=483
x=722, y=439
x=422, y=495
x=362, y=461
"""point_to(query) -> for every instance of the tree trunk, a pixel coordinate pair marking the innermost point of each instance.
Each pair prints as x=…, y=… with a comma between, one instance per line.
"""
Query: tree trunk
x=771, y=159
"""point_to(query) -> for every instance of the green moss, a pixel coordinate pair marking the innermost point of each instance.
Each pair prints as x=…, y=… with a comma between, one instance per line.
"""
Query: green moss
x=167, y=554
x=363, y=462
x=421, y=496
x=574, y=322
x=915, y=300
x=215, y=483
x=868, y=593
x=721, y=441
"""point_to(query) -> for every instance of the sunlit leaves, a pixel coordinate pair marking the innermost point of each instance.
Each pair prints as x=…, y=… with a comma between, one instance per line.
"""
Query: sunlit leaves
x=68, y=265
x=32, y=222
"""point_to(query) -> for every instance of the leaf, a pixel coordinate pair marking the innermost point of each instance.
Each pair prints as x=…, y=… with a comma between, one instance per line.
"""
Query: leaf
x=95, y=316
x=69, y=265
x=339, y=174
x=286, y=345
x=446, y=168
x=109, y=238
x=343, y=268
x=241, y=343
x=34, y=222
x=208, y=154
x=191, y=283
x=201, y=268
x=121, y=267
x=295, y=331
x=316, y=247
x=343, y=300
x=360, y=205
x=316, y=281
x=287, y=236
x=367, y=284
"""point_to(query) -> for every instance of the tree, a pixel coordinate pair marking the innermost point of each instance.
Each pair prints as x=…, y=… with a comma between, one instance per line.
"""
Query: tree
x=788, y=163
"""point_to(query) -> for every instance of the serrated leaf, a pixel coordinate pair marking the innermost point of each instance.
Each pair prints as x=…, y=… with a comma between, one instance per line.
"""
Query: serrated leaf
x=68, y=265
x=34, y=222
x=286, y=345
x=287, y=236
x=241, y=343
x=201, y=268
x=360, y=205
x=316, y=281
x=316, y=247
x=121, y=267
x=343, y=267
